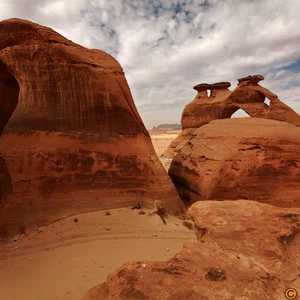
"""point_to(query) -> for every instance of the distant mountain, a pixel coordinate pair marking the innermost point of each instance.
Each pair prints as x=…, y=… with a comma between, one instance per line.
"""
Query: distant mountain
x=165, y=127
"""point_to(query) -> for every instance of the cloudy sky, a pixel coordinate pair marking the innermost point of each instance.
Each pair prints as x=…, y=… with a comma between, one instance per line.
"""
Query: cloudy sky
x=167, y=47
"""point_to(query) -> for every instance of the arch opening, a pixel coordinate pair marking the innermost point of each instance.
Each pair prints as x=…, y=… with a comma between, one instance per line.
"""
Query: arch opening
x=240, y=113
x=9, y=95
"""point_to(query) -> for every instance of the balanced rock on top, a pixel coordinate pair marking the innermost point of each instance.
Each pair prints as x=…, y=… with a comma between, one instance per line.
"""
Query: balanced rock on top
x=222, y=104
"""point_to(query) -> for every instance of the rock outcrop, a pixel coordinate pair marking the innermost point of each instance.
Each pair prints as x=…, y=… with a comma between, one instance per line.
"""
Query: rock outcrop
x=72, y=139
x=167, y=127
x=245, y=250
x=222, y=104
x=203, y=109
x=200, y=111
x=250, y=97
x=240, y=158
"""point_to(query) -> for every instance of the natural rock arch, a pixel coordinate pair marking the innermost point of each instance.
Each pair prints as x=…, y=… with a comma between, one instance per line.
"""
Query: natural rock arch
x=240, y=113
x=72, y=140
x=222, y=103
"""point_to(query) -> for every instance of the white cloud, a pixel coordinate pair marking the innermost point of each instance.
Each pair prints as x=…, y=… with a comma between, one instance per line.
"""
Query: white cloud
x=167, y=47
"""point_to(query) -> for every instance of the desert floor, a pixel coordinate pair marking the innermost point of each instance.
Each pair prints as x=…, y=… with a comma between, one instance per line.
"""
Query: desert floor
x=161, y=140
x=67, y=258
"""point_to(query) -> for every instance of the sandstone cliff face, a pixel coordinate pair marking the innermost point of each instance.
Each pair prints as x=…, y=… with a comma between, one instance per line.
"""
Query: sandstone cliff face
x=222, y=103
x=247, y=158
x=245, y=250
x=72, y=140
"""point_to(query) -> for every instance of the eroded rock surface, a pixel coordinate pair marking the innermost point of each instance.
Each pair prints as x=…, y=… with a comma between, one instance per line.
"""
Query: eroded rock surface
x=240, y=158
x=245, y=250
x=200, y=111
x=72, y=140
x=222, y=104
x=250, y=97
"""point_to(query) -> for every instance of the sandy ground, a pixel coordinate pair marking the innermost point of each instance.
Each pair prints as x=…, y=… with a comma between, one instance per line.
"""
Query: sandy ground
x=67, y=258
x=161, y=141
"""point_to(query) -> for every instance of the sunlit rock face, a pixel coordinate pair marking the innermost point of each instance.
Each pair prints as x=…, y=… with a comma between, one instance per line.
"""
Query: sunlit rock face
x=250, y=97
x=245, y=250
x=240, y=158
x=200, y=111
x=222, y=104
x=72, y=140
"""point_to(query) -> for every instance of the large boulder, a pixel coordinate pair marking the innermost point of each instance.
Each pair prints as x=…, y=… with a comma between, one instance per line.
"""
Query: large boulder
x=222, y=104
x=72, y=139
x=245, y=250
x=240, y=158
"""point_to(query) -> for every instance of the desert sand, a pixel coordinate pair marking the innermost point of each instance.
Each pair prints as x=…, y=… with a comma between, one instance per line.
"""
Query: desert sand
x=245, y=250
x=161, y=141
x=65, y=259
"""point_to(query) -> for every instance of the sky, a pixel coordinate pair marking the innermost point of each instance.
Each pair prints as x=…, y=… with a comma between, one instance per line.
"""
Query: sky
x=167, y=47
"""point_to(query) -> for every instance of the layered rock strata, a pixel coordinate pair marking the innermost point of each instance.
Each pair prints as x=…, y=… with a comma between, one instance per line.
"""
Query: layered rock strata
x=72, y=140
x=240, y=158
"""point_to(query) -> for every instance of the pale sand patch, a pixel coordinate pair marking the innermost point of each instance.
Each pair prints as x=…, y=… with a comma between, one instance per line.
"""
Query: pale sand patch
x=65, y=259
x=161, y=141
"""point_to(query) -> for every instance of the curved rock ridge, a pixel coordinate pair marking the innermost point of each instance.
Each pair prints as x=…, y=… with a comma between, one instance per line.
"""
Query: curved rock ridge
x=222, y=104
x=245, y=250
x=72, y=139
x=240, y=158
x=250, y=97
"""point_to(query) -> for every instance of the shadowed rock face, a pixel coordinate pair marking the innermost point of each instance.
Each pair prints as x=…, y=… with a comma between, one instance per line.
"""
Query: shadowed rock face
x=245, y=250
x=9, y=93
x=246, y=158
x=222, y=104
x=72, y=140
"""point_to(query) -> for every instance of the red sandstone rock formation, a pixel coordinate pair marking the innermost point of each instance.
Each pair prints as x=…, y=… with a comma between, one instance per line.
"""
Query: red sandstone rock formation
x=203, y=108
x=246, y=158
x=72, y=140
x=248, y=96
x=245, y=250
x=200, y=111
